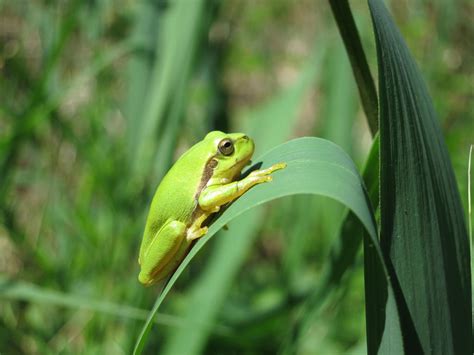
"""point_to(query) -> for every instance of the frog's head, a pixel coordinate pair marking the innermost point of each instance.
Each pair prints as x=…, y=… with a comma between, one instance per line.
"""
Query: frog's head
x=231, y=153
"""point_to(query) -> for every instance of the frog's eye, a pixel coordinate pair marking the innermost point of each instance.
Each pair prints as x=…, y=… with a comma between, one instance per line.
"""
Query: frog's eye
x=226, y=147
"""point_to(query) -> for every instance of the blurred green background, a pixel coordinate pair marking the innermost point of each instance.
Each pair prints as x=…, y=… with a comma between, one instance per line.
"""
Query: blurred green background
x=99, y=97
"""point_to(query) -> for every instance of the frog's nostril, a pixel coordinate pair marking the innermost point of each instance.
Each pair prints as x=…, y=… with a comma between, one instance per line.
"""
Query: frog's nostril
x=246, y=138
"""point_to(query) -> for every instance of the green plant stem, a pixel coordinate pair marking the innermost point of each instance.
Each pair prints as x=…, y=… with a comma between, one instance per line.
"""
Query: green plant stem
x=365, y=83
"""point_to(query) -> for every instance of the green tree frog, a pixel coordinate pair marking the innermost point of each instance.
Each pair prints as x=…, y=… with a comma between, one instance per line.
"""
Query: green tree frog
x=201, y=181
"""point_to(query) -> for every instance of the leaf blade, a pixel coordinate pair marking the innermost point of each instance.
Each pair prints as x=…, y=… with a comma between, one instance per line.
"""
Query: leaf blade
x=422, y=227
x=315, y=166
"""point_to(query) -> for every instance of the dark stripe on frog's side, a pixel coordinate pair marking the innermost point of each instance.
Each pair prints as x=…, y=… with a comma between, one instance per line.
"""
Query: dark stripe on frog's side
x=206, y=176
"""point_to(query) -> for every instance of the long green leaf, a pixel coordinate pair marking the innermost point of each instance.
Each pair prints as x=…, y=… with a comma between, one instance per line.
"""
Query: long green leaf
x=177, y=45
x=315, y=166
x=422, y=227
x=18, y=290
x=347, y=27
x=140, y=66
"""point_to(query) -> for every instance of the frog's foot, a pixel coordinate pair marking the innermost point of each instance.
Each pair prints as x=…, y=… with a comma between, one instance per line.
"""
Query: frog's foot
x=264, y=174
x=275, y=167
x=196, y=233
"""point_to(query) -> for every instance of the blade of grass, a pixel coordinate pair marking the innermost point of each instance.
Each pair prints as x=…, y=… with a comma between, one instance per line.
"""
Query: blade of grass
x=469, y=192
x=347, y=27
x=423, y=232
x=147, y=23
x=315, y=166
x=469, y=214
x=17, y=290
x=177, y=47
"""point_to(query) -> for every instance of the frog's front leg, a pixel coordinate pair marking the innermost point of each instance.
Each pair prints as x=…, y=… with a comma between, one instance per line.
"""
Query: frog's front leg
x=158, y=257
x=219, y=193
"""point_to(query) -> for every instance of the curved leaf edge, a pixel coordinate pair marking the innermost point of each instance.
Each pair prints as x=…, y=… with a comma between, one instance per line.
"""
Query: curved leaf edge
x=220, y=222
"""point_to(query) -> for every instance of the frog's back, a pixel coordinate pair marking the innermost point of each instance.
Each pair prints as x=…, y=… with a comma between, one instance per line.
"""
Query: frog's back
x=175, y=197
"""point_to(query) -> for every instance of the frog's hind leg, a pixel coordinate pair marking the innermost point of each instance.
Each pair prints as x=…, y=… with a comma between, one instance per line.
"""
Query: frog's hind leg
x=162, y=252
x=196, y=230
